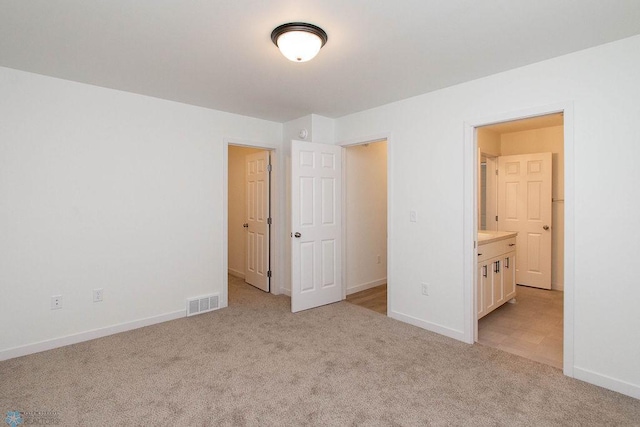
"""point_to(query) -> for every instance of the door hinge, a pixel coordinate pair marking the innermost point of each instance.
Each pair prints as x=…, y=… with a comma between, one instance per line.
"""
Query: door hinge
x=496, y=218
x=496, y=171
x=269, y=221
x=269, y=273
x=268, y=168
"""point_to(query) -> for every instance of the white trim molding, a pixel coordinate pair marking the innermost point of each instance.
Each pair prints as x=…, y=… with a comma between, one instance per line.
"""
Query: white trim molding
x=364, y=286
x=607, y=382
x=88, y=335
x=429, y=326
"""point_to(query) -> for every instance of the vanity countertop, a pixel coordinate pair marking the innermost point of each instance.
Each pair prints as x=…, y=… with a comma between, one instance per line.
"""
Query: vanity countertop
x=486, y=236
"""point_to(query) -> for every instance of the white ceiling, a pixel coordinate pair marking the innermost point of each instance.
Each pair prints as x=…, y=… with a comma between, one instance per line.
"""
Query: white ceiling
x=219, y=54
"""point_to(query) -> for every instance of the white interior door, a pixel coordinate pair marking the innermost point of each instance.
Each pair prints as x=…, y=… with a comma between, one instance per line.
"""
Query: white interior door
x=257, y=205
x=316, y=175
x=524, y=206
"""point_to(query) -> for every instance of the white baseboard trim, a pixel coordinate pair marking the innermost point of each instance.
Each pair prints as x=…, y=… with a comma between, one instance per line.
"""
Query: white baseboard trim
x=607, y=382
x=286, y=292
x=429, y=326
x=87, y=335
x=236, y=273
x=365, y=286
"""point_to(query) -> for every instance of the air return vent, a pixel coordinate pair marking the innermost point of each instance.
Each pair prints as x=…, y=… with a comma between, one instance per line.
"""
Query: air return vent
x=202, y=304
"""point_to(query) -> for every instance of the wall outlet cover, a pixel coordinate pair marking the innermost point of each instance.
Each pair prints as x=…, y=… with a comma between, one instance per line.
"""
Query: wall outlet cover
x=98, y=295
x=56, y=302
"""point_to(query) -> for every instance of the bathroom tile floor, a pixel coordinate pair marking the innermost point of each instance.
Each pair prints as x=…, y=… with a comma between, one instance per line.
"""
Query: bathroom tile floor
x=531, y=328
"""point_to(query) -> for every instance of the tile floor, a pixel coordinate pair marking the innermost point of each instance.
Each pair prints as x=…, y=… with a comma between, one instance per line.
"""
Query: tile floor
x=531, y=328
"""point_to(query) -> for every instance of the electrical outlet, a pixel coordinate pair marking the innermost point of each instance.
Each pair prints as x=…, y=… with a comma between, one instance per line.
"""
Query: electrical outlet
x=98, y=294
x=413, y=216
x=425, y=289
x=56, y=302
x=378, y=260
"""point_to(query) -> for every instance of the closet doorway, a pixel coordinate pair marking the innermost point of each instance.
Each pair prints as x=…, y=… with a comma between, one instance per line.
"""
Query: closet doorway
x=365, y=225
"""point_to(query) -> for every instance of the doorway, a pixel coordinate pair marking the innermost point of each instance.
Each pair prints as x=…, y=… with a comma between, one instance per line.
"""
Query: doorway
x=365, y=225
x=249, y=215
x=319, y=200
x=531, y=324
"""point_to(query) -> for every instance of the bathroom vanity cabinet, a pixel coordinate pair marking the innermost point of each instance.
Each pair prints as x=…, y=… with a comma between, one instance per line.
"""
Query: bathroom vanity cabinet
x=496, y=270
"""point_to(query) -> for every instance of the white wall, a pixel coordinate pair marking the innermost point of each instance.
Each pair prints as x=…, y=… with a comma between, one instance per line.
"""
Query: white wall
x=546, y=140
x=366, y=216
x=237, y=234
x=106, y=189
x=428, y=160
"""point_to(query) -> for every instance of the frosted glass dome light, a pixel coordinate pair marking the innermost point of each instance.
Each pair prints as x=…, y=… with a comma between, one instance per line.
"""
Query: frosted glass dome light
x=298, y=41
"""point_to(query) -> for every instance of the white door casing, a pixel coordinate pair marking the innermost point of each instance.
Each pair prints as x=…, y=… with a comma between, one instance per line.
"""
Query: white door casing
x=524, y=206
x=316, y=235
x=257, y=228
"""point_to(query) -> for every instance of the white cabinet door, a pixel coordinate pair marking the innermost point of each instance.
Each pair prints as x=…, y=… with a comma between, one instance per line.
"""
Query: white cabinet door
x=494, y=282
x=483, y=275
x=524, y=205
x=257, y=204
x=498, y=282
x=316, y=247
x=509, y=275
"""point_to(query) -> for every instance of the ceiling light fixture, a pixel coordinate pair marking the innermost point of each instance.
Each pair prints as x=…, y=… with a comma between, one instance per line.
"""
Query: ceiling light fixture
x=299, y=41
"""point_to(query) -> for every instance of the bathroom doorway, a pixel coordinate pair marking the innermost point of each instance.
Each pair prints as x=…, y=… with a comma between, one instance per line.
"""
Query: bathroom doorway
x=530, y=325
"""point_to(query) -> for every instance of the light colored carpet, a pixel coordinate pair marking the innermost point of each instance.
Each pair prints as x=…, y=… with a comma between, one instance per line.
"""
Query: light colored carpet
x=255, y=363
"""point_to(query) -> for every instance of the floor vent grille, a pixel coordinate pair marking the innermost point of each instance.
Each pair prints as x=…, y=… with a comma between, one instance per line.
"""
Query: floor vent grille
x=202, y=304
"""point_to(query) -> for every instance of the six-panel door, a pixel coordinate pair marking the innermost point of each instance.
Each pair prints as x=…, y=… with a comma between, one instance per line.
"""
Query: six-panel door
x=316, y=186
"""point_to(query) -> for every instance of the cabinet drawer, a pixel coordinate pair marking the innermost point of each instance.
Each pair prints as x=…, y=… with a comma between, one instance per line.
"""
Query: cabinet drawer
x=494, y=249
x=508, y=245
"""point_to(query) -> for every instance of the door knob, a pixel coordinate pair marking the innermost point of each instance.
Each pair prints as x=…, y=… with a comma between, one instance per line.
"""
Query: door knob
x=298, y=235
x=245, y=225
x=545, y=227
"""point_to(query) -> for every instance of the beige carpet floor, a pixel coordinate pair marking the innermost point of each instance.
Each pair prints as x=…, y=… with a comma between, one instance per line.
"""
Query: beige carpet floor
x=255, y=363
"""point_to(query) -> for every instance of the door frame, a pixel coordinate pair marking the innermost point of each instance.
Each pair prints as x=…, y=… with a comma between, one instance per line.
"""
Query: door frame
x=276, y=244
x=470, y=226
x=361, y=141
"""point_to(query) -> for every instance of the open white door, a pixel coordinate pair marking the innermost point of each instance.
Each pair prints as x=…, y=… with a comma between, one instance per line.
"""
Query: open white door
x=316, y=175
x=524, y=205
x=257, y=226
